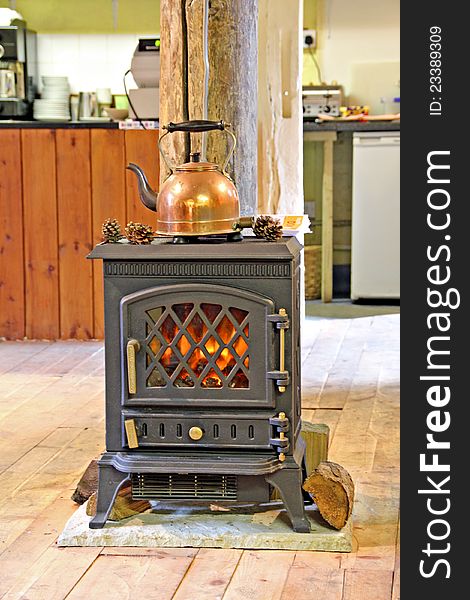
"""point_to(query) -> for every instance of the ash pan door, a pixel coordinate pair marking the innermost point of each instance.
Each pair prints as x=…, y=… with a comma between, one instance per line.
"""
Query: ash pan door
x=197, y=344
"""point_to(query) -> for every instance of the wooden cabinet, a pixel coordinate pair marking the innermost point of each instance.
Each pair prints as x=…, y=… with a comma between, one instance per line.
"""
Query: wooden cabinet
x=57, y=186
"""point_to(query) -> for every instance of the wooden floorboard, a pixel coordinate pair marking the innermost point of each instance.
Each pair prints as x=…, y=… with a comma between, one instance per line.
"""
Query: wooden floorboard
x=34, y=541
x=47, y=367
x=311, y=581
x=127, y=577
x=54, y=575
x=51, y=426
x=13, y=354
x=319, y=358
x=209, y=574
x=362, y=584
x=260, y=574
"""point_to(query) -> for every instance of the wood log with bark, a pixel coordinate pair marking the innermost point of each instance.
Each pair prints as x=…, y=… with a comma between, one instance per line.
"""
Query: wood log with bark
x=316, y=438
x=332, y=490
x=88, y=483
x=124, y=506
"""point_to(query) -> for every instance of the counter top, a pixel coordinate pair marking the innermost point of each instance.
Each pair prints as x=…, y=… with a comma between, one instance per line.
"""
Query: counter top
x=58, y=124
x=309, y=125
x=353, y=126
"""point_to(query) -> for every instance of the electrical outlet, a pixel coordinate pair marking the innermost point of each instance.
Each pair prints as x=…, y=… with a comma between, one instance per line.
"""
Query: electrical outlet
x=310, y=38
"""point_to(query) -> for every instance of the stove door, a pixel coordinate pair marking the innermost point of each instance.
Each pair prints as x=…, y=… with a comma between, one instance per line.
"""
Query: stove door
x=197, y=345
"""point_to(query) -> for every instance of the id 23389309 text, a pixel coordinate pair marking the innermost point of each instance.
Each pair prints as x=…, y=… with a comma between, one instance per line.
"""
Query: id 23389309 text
x=435, y=70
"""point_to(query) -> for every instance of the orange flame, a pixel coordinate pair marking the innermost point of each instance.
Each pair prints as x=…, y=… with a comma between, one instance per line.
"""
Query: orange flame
x=197, y=360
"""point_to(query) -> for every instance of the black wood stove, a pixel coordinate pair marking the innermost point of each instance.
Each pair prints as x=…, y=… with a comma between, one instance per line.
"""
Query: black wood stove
x=202, y=345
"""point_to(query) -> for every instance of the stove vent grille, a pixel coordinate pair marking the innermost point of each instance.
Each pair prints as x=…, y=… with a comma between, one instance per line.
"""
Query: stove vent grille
x=184, y=487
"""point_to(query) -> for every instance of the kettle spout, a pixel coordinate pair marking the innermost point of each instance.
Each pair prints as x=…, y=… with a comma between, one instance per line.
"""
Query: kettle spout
x=147, y=195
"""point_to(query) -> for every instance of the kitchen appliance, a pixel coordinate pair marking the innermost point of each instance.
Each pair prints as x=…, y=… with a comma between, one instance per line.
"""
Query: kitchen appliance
x=202, y=348
x=18, y=70
x=145, y=68
x=197, y=198
x=375, y=250
x=322, y=100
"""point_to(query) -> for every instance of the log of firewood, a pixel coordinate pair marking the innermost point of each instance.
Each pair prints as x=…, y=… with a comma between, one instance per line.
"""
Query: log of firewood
x=316, y=438
x=124, y=506
x=332, y=490
x=87, y=485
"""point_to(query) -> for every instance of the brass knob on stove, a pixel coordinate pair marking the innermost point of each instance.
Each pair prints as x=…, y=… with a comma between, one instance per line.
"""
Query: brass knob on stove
x=196, y=433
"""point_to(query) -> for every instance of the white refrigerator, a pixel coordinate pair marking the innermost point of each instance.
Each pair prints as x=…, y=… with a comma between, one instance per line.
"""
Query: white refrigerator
x=375, y=245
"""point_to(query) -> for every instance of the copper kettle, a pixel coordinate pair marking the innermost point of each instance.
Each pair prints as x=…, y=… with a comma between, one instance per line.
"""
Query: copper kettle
x=197, y=198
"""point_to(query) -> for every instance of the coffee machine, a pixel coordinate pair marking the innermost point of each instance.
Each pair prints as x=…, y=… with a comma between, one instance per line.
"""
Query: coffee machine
x=144, y=102
x=18, y=70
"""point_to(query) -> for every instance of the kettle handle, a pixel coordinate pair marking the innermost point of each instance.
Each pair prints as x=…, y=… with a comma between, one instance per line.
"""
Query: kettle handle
x=199, y=126
x=195, y=126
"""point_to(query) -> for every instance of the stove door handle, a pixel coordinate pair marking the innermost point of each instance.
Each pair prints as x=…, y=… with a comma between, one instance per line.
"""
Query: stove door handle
x=133, y=346
x=282, y=323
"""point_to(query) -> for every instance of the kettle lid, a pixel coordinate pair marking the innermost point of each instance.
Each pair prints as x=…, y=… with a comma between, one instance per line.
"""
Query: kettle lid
x=195, y=164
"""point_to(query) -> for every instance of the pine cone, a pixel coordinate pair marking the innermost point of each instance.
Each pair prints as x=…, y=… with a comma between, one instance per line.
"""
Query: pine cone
x=138, y=233
x=268, y=228
x=111, y=231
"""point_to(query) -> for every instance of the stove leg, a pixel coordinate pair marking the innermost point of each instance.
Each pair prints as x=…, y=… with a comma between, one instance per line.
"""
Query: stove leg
x=289, y=484
x=110, y=480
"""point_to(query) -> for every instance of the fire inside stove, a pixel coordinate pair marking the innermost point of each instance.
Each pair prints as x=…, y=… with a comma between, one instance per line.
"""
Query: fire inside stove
x=197, y=345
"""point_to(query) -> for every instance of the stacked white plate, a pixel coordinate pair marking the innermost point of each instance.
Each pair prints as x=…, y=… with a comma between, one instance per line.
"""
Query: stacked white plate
x=54, y=104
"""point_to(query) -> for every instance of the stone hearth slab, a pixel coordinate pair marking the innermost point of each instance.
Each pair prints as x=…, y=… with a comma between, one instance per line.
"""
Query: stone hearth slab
x=174, y=527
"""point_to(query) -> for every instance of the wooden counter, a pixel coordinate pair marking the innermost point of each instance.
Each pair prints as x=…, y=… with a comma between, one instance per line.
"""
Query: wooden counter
x=57, y=186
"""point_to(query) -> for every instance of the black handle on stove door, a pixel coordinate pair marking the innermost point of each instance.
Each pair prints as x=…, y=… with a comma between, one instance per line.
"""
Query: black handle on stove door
x=196, y=126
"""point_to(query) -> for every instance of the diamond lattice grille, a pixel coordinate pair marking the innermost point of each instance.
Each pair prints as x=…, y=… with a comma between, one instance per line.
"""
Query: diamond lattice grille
x=197, y=345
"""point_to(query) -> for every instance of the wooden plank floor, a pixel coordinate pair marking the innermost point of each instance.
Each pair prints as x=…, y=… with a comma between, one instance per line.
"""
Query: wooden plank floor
x=51, y=426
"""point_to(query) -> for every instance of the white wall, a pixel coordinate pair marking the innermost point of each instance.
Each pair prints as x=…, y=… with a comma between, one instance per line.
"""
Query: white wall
x=89, y=61
x=358, y=42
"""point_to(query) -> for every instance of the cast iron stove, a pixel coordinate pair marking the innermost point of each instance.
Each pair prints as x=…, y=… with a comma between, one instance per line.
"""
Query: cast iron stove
x=202, y=345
